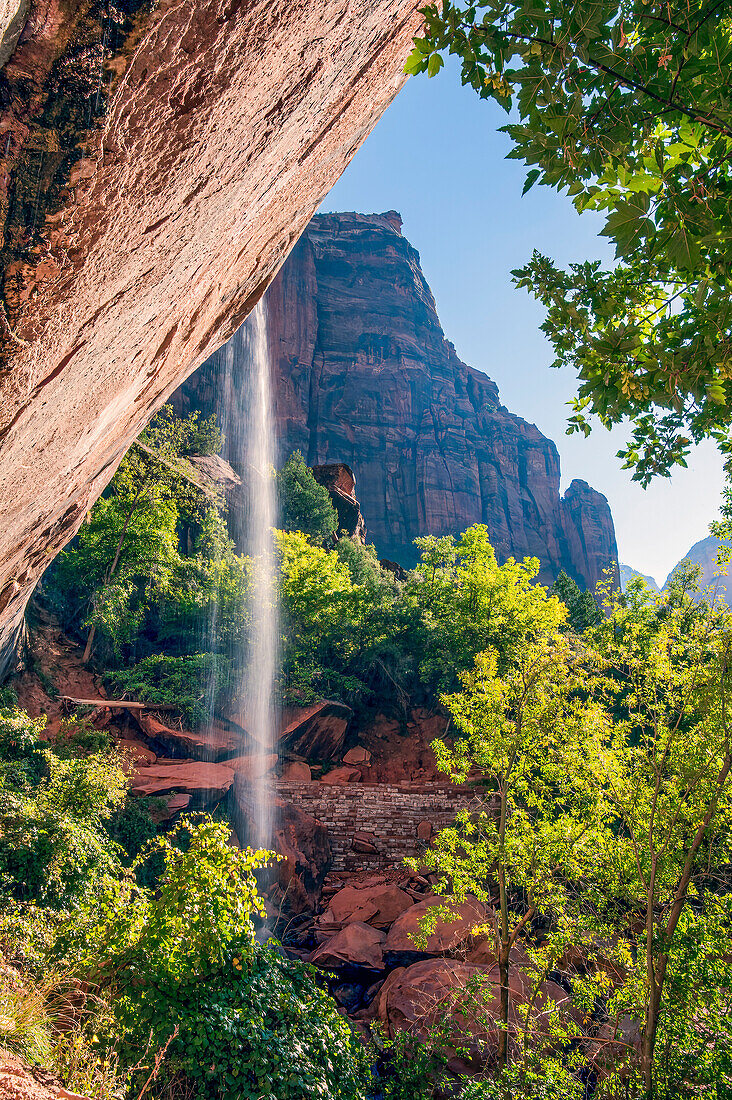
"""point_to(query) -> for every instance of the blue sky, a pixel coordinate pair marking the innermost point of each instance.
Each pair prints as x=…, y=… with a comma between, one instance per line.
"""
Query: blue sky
x=437, y=158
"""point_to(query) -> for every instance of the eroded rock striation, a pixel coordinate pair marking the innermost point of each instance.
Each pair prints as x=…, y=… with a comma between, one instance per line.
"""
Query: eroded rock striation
x=366, y=377
x=157, y=164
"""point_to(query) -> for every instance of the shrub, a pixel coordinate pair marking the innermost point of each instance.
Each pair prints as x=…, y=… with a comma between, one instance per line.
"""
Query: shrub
x=258, y=1029
x=53, y=846
x=186, y=683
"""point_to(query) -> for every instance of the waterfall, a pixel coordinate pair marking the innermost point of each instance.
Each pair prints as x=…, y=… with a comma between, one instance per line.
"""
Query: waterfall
x=248, y=425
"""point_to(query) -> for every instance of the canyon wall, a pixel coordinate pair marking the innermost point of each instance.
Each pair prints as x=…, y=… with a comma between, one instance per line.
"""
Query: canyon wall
x=157, y=163
x=365, y=376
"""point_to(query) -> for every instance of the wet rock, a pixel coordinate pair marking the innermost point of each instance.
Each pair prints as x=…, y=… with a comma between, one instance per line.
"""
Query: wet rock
x=378, y=905
x=447, y=991
x=349, y=995
x=357, y=945
x=253, y=766
x=296, y=772
x=447, y=937
x=300, y=838
x=215, y=475
x=140, y=754
x=305, y=844
x=417, y=997
x=213, y=743
x=365, y=843
x=316, y=732
x=205, y=783
x=171, y=807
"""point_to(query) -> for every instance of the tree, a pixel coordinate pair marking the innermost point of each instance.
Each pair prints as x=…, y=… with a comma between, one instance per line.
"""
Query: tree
x=520, y=732
x=321, y=609
x=304, y=504
x=582, y=607
x=624, y=104
x=661, y=760
x=463, y=602
x=130, y=556
x=131, y=538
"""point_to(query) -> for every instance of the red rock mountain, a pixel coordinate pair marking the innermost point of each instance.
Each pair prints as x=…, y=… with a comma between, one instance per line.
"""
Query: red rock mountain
x=365, y=376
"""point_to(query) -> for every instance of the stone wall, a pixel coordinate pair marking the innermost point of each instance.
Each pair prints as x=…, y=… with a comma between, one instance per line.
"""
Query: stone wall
x=391, y=813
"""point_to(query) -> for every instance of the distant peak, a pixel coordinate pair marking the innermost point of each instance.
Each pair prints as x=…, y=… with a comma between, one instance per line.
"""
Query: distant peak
x=394, y=218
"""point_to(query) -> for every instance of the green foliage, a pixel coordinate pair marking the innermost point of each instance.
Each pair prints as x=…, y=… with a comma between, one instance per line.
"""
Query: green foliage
x=183, y=972
x=172, y=437
x=363, y=564
x=126, y=576
x=694, y=1047
x=463, y=602
x=261, y=1028
x=522, y=732
x=414, y=1067
x=304, y=504
x=582, y=607
x=181, y=682
x=335, y=619
x=53, y=847
x=624, y=105
x=24, y=1023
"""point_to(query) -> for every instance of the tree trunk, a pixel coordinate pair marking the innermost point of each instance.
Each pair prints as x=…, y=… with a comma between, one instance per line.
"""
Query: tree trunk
x=504, y=948
x=649, y=1040
x=503, y=967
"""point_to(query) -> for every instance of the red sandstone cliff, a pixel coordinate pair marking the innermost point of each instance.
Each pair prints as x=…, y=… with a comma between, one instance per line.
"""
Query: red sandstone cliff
x=157, y=163
x=365, y=376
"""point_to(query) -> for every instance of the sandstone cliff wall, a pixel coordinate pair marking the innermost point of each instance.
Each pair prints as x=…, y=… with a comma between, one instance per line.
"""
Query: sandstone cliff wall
x=365, y=376
x=157, y=163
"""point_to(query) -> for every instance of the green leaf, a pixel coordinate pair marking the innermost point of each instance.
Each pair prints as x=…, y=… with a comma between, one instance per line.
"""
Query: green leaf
x=531, y=179
x=434, y=64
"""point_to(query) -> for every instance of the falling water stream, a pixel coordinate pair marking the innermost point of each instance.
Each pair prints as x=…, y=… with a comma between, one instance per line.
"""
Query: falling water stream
x=248, y=424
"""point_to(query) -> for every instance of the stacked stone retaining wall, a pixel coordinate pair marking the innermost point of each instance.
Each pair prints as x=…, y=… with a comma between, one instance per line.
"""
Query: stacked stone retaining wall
x=391, y=813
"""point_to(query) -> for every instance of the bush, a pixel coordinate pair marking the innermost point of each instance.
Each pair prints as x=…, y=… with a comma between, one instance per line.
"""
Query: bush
x=184, y=976
x=53, y=846
x=258, y=1029
x=186, y=683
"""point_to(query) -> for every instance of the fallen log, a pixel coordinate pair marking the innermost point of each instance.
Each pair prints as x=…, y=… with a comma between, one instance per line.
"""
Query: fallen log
x=128, y=704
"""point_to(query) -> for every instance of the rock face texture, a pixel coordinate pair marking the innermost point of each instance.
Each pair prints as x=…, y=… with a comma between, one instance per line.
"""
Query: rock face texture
x=157, y=164
x=366, y=377
x=338, y=479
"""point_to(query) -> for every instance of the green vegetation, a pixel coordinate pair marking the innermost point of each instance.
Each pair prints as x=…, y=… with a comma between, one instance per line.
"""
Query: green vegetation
x=304, y=504
x=624, y=105
x=123, y=985
x=598, y=736
x=610, y=756
x=154, y=587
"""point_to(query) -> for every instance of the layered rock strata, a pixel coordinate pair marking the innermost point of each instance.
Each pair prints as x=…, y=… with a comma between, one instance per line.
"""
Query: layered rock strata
x=157, y=164
x=365, y=377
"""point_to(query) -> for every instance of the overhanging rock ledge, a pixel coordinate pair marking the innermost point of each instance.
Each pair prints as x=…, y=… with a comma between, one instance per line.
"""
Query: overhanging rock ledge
x=158, y=163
